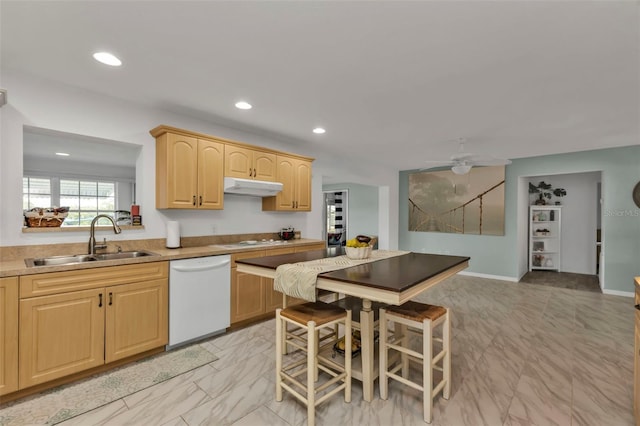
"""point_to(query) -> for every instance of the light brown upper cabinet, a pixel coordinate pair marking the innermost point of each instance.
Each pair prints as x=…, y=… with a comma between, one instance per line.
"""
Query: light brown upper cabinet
x=189, y=171
x=295, y=176
x=246, y=163
x=191, y=167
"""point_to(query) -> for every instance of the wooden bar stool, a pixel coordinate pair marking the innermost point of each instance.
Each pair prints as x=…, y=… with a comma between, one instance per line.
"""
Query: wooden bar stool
x=311, y=318
x=423, y=319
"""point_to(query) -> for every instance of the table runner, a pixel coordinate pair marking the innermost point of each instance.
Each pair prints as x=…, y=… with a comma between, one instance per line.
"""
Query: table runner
x=299, y=279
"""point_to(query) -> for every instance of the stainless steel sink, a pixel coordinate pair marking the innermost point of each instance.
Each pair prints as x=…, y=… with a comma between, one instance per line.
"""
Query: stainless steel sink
x=82, y=258
x=123, y=255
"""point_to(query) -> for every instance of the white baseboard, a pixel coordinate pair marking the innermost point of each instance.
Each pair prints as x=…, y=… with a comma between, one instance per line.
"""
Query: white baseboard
x=489, y=276
x=619, y=293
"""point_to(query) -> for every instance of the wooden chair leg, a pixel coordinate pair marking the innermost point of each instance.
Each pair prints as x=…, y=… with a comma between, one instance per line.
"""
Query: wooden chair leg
x=279, y=347
x=446, y=362
x=427, y=370
x=404, y=358
x=312, y=363
x=384, y=363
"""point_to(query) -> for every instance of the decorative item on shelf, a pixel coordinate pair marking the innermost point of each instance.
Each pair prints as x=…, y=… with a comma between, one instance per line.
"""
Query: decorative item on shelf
x=538, y=259
x=545, y=191
x=542, y=232
x=538, y=246
x=338, y=347
x=548, y=263
x=51, y=217
x=123, y=217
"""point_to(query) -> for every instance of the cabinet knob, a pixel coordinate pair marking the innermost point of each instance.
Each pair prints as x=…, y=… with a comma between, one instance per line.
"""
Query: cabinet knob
x=100, y=300
x=194, y=200
x=637, y=307
x=201, y=200
x=110, y=298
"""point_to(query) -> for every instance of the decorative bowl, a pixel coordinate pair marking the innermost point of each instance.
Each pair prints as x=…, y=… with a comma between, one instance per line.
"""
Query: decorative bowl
x=358, y=252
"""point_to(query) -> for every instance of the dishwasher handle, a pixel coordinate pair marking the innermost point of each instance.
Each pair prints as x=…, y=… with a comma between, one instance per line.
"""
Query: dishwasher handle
x=205, y=267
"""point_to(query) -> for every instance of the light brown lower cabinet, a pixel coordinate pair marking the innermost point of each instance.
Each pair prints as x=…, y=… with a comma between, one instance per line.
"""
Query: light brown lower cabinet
x=62, y=334
x=253, y=296
x=8, y=335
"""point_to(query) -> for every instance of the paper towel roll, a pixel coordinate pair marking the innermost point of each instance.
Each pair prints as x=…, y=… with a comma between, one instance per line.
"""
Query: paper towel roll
x=173, y=234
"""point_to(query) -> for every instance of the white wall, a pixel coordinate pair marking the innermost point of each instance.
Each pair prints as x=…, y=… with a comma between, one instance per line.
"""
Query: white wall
x=579, y=219
x=47, y=105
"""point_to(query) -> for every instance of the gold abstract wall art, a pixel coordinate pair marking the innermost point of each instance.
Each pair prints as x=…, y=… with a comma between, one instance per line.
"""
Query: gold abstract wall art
x=461, y=204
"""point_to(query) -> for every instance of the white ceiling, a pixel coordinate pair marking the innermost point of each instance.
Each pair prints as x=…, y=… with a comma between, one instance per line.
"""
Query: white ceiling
x=392, y=81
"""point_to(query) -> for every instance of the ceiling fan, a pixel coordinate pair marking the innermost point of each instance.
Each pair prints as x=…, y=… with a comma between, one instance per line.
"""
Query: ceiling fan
x=461, y=162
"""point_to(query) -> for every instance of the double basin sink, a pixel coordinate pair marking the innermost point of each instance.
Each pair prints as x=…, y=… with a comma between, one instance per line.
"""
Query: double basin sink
x=82, y=258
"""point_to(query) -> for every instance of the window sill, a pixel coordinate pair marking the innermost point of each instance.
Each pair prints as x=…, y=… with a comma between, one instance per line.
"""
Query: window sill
x=26, y=230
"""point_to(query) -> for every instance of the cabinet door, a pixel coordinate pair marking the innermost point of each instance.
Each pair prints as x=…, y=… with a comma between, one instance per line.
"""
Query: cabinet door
x=136, y=318
x=8, y=335
x=238, y=162
x=247, y=296
x=264, y=166
x=303, y=185
x=177, y=179
x=286, y=173
x=210, y=175
x=60, y=335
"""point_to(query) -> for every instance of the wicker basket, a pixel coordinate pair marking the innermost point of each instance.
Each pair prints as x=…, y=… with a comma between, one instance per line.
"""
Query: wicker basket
x=45, y=218
x=358, y=252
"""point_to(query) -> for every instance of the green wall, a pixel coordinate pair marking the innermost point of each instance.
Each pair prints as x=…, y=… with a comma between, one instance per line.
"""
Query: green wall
x=499, y=255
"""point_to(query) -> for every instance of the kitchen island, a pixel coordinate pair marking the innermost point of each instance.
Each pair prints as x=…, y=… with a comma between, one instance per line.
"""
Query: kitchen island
x=394, y=280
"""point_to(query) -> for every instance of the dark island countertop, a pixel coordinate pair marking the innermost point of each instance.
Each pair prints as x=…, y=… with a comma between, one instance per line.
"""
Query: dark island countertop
x=394, y=274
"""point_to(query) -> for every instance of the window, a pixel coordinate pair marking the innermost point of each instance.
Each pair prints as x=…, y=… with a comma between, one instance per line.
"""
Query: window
x=36, y=192
x=85, y=198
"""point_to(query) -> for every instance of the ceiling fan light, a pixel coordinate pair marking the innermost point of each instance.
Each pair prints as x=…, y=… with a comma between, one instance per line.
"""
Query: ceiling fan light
x=461, y=169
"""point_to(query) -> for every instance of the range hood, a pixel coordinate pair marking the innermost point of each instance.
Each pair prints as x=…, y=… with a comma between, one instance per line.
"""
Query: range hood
x=256, y=188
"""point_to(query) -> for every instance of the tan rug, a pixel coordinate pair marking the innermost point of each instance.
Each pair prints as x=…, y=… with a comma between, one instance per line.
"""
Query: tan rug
x=61, y=403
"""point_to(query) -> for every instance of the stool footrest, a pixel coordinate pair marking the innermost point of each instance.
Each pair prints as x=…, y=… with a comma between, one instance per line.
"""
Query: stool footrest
x=405, y=381
x=438, y=357
x=438, y=388
x=407, y=351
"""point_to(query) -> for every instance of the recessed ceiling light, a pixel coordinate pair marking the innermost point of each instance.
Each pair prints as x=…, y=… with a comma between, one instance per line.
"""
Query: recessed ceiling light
x=243, y=105
x=62, y=154
x=319, y=130
x=107, y=59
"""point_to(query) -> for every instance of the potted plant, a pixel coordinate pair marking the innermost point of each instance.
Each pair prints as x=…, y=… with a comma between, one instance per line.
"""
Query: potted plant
x=545, y=191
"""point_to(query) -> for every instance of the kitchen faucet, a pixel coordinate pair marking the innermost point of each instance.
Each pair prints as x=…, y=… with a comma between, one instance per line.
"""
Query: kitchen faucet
x=92, y=239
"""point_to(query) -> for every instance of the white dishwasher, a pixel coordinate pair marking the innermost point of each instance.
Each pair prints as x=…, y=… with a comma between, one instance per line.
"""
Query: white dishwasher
x=199, y=298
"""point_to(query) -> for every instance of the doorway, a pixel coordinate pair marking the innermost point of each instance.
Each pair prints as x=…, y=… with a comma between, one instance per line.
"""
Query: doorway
x=581, y=220
x=336, y=219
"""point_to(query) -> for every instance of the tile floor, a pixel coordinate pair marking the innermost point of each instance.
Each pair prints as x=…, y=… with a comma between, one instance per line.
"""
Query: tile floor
x=522, y=355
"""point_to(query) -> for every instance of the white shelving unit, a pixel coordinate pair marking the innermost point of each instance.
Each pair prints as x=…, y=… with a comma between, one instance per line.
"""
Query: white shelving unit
x=545, y=238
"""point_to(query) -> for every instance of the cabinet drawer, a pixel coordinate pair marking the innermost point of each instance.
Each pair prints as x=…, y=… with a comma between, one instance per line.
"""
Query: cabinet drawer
x=61, y=282
x=319, y=246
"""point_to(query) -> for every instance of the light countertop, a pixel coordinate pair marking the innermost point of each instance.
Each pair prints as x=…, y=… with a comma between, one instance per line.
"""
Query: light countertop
x=17, y=267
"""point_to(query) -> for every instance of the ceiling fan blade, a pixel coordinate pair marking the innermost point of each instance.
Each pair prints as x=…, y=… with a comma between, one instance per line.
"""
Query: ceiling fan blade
x=441, y=162
x=492, y=162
